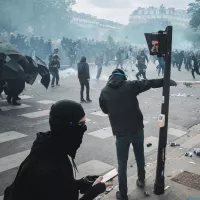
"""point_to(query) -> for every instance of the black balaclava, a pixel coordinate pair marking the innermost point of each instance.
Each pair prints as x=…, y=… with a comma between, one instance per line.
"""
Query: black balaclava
x=66, y=130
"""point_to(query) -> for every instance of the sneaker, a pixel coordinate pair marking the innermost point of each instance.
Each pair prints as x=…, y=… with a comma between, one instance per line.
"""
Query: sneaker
x=52, y=85
x=140, y=183
x=119, y=197
x=18, y=98
x=88, y=100
x=83, y=101
x=58, y=84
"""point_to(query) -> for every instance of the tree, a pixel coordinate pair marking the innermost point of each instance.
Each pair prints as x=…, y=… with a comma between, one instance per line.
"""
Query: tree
x=42, y=15
x=194, y=10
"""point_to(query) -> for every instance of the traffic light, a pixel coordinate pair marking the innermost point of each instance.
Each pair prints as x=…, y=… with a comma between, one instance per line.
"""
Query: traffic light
x=157, y=43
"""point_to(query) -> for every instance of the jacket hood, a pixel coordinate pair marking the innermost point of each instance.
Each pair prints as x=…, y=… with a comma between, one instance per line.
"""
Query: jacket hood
x=43, y=144
x=115, y=81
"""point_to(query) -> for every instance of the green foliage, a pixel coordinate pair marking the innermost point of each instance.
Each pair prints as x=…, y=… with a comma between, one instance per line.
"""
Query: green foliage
x=49, y=14
x=194, y=10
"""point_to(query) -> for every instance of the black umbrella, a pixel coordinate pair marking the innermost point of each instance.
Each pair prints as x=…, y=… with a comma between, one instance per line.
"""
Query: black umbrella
x=44, y=72
x=12, y=70
x=31, y=70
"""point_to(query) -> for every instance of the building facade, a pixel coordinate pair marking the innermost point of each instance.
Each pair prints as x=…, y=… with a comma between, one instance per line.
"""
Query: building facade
x=89, y=21
x=174, y=16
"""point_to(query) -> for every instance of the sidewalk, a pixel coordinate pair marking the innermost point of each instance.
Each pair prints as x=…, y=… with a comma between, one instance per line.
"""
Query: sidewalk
x=182, y=169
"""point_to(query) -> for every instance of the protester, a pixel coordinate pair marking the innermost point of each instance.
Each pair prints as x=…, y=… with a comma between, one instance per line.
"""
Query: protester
x=47, y=173
x=119, y=100
x=99, y=64
x=13, y=88
x=161, y=66
x=195, y=67
x=84, y=78
x=141, y=65
x=119, y=57
x=180, y=60
x=54, y=67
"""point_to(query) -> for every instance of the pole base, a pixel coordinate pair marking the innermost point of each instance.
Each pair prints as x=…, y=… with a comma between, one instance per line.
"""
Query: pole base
x=159, y=186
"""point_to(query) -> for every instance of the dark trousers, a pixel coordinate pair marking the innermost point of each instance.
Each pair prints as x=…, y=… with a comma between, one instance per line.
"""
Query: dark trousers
x=2, y=84
x=180, y=64
x=119, y=62
x=99, y=70
x=161, y=69
x=14, y=89
x=56, y=77
x=141, y=72
x=122, y=147
x=84, y=83
x=196, y=69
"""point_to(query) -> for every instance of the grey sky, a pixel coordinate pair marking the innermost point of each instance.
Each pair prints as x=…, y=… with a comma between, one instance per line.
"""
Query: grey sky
x=119, y=10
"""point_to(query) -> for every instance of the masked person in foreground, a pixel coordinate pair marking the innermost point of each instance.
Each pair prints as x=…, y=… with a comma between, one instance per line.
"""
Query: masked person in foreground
x=47, y=173
x=119, y=100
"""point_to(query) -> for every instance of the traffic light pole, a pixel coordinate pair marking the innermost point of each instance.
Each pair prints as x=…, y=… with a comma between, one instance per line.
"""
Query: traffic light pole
x=160, y=179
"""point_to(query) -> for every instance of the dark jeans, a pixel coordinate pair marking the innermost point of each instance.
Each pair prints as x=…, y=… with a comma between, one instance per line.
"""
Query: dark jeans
x=141, y=72
x=56, y=77
x=196, y=69
x=85, y=83
x=180, y=64
x=99, y=70
x=119, y=62
x=161, y=68
x=122, y=146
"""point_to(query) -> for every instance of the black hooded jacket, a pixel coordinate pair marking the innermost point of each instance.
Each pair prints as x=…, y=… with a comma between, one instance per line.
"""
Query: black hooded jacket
x=47, y=174
x=119, y=100
x=83, y=69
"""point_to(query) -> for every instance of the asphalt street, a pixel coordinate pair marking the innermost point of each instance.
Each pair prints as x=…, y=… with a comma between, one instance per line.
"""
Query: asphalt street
x=19, y=125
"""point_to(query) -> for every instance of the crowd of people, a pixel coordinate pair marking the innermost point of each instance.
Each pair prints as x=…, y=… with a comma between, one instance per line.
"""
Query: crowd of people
x=47, y=172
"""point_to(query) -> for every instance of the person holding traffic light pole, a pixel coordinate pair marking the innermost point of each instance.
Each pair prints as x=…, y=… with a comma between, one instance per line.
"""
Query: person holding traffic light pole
x=119, y=100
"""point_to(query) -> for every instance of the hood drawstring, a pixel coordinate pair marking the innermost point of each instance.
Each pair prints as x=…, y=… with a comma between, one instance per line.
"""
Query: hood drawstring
x=75, y=168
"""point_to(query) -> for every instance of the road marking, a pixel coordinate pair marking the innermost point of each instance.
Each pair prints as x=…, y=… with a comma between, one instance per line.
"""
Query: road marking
x=46, y=102
x=99, y=113
x=145, y=122
x=26, y=97
x=11, y=107
x=12, y=161
x=37, y=114
x=102, y=133
x=22, y=97
x=176, y=132
x=94, y=167
x=11, y=135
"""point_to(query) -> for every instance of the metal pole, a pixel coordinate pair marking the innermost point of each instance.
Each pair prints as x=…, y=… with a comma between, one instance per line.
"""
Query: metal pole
x=160, y=179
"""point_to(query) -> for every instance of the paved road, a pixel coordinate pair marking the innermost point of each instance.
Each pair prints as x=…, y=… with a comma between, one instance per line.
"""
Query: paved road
x=19, y=125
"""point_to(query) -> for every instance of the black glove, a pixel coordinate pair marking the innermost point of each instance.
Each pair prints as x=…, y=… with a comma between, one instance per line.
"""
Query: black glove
x=173, y=83
x=86, y=183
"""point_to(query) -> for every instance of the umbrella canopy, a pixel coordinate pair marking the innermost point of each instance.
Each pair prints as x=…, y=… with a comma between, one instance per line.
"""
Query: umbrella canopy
x=44, y=72
x=12, y=70
x=16, y=66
